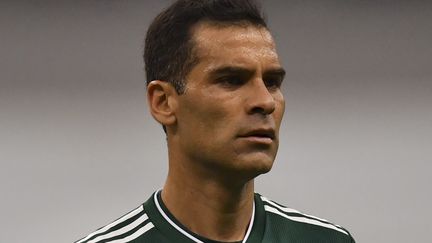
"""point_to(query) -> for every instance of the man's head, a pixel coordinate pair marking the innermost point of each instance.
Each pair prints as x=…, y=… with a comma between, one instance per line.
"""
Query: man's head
x=169, y=52
x=225, y=115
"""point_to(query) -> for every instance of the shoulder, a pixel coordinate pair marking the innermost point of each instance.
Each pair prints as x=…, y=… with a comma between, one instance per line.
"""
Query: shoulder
x=281, y=216
x=130, y=226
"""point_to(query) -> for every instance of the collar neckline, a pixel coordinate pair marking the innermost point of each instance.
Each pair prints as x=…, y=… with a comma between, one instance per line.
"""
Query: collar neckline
x=175, y=231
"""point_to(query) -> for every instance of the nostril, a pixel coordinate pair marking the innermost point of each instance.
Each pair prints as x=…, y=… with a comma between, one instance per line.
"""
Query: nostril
x=261, y=102
x=264, y=110
x=257, y=110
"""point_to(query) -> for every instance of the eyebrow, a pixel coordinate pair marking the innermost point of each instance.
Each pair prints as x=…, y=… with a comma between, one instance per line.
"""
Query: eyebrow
x=276, y=72
x=245, y=71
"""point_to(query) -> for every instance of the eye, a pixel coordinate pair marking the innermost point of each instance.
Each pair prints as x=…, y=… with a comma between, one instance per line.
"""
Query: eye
x=231, y=81
x=273, y=82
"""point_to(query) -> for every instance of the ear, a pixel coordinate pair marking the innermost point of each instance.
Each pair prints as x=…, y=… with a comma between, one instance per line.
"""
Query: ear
x=162, y=101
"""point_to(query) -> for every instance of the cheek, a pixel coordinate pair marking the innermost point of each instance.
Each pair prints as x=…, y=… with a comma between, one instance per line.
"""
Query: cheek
x=205, y=116
x=280, y=108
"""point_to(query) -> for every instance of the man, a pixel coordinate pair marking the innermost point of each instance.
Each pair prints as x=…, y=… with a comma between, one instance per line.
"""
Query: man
x=214, y=82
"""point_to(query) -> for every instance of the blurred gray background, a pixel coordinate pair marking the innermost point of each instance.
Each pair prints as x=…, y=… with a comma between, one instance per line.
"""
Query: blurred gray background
x=79, y=149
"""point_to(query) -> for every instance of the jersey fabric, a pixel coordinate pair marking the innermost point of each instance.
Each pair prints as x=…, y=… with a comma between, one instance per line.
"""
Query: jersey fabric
x=270, y=223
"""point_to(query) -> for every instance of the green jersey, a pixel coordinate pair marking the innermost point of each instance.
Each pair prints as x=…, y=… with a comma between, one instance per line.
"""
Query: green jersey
x=270, y=223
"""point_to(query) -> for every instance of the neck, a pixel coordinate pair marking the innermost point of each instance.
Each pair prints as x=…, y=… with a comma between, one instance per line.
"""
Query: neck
x=208, y=206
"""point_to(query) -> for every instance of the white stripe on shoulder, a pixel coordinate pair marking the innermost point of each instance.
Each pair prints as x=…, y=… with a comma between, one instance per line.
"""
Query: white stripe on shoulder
x=121, y=231
x=135, y=235
x=290, y=210
x=118, y=221
x=303, y=220
x=285, y=209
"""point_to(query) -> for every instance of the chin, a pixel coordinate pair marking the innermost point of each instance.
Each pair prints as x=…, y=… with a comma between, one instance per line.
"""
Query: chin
x=243, y=166
x=254, y=167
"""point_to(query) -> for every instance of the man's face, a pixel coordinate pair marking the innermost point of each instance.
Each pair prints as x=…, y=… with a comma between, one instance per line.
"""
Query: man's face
x=228, y=119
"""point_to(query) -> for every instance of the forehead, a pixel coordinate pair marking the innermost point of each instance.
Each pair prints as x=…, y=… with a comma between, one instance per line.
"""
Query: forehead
x=236, y=44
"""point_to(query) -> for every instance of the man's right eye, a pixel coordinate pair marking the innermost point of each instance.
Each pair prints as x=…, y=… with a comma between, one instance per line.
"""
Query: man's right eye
x=231, y=81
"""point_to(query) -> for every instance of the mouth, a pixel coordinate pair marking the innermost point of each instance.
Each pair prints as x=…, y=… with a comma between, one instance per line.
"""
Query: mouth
x=265, y=136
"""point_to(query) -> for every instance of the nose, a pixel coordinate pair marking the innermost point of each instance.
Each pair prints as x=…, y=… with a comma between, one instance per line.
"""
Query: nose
x=260, y=100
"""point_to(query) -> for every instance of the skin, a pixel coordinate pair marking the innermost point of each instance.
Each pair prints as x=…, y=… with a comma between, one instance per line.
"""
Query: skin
x=223, y=131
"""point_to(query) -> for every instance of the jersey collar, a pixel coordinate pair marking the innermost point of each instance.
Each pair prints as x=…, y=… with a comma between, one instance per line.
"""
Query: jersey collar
x=176, y=232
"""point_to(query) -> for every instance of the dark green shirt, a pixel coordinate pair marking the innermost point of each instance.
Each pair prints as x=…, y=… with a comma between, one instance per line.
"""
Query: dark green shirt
x=270, y=223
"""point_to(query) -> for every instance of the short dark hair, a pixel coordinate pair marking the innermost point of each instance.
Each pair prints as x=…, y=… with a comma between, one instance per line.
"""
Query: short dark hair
x=169, y=49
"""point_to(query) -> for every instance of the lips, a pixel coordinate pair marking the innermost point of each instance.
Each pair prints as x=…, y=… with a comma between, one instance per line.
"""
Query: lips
x=259, y=133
